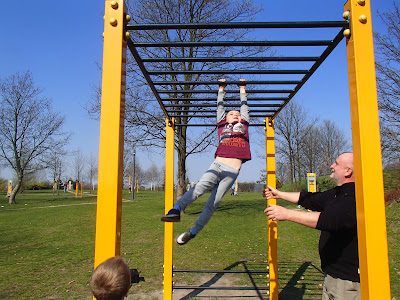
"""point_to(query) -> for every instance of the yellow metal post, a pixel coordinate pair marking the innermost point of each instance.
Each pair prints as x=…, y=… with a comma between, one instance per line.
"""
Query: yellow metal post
x=81, y=189
x=272, y=225
x=371, y=217
x=76, y=189
x=169, y=202
x=109, y=197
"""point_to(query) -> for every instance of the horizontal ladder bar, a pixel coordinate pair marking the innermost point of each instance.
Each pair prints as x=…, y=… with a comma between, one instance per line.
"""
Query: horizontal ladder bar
x=222, y=288
x=222, y=271
x=225, y=100
x=214, y=111
x=214, y=125
x=226, y=91
x=232, y=59
x=212, y=115
x=212, y=72
x=260, y=25
x=249, y=82
x=215, y=105
x=234, y=44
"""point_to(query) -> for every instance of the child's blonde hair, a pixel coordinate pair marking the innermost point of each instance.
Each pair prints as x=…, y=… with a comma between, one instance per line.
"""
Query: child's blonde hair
x=111, y=280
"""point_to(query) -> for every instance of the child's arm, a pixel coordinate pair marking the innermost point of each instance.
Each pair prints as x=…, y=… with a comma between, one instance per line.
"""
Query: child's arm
x=244, y=108
x=220, y=101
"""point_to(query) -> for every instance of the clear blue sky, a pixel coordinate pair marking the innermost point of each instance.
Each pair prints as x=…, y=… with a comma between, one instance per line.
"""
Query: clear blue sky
x=61, y=43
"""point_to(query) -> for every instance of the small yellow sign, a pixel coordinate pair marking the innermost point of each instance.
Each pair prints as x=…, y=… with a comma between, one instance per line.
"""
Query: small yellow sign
x=9, y=189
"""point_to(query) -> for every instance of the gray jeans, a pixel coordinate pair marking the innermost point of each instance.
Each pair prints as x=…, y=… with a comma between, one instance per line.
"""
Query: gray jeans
x=218, y=179
x=339, y=289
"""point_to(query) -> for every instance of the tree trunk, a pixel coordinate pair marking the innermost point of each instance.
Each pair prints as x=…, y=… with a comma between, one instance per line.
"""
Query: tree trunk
x=11, y=199
x=181, y=186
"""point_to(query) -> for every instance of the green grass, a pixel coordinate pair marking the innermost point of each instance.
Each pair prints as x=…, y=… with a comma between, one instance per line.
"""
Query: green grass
x=391, y=179
x=47, y=245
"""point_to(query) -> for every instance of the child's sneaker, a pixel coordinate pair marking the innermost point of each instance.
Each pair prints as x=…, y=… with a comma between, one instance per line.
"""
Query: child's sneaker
x=184, y=238
x=173, y=215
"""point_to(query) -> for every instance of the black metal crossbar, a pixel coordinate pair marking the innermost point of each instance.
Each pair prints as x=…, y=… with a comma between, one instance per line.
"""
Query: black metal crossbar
x=222, y=288
x=301, y=24
x=182, y=74
x=227, y=91
x=223, y=271
x=237, y=44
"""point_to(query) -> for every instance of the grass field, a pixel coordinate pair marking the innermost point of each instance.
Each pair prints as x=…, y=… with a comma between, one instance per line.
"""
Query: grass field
x=47, y=246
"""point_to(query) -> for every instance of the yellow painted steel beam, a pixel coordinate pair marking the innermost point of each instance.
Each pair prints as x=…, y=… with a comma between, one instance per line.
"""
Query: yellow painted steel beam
x=109, y=197
x=272, y=225
x=169, y=203
x=371, y=216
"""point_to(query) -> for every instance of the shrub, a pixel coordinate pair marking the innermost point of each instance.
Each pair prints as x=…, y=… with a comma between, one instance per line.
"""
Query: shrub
x=246, y=186
x=392, y=196
x=325, y=183
x=3, y=185
x=44, y=185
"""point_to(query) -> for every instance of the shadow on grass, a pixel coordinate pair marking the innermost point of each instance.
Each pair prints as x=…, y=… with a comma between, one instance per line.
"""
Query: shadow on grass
x=304, y=283
x=298, y=280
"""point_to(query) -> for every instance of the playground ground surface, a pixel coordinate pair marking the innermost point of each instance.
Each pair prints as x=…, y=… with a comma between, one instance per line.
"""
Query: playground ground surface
x=47, y=246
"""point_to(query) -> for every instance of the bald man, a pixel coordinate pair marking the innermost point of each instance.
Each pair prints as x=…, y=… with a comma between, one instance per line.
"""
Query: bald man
x=333, y=212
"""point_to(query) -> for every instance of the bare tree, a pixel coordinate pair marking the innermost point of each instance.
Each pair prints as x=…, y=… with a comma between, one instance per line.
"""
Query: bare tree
x=154, y=176
x=136, y=171
x=292, y=125
x=78, y=165
x=92, y=168
x=388, y=84
x=332, y=143
x=56, y=164
x=311, y=151
x=145, y=122
x=29, y=128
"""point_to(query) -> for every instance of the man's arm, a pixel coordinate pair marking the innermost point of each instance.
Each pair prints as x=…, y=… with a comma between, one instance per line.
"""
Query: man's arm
x=279, y=213
x=220, y=101
x=292, y=197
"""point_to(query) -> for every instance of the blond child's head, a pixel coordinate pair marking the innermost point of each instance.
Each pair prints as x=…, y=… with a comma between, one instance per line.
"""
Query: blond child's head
x=111, y=279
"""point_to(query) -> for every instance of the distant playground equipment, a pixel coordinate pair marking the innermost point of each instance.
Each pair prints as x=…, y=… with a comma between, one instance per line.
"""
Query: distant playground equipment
x=131, y=187
x=9, y=188
x=356, y=29
x=311, y=182
x=135, y=186
x=77, y=189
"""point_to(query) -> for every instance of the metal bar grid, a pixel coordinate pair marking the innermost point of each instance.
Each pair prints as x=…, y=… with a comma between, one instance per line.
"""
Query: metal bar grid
x=222, y=288
x=167, y=75
x=212, y=100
